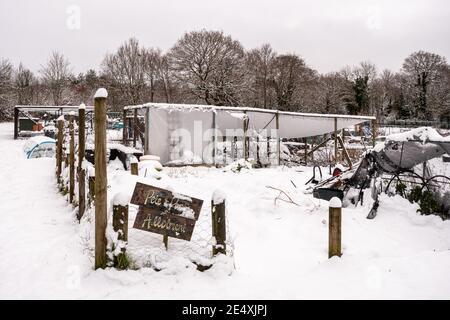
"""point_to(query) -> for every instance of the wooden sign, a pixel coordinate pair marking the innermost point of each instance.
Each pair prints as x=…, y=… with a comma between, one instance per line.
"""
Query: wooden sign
x=165, y=212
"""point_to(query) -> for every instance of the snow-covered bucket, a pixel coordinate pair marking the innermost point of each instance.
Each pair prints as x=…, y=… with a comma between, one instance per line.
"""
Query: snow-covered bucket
x=39, y=147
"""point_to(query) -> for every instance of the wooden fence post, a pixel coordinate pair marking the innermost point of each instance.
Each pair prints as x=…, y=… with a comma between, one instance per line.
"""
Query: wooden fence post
x=135, y=127
x=100, y=177
x=277, y=123
x=334, y=227
x=71, y=159
x=374, y=132
x=134, y=168
x=335, y=142
x=91, y=186
x=244, y=138
x=124, y=132
x=59, y=149
x=120, y=225
x=218, y=223
x=81, y=153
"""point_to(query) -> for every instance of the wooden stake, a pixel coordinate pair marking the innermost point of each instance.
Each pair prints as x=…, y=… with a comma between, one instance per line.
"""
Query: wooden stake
x=305, y=141
x=214, y=138
x=124, y=132
x=134, y=168
x=345, y=153
x=277, y=119
x=71, y=160
x=374, y=132
x=244, y=138
x=335, y=142
x=147, y=132
x=101, y=182
x=91, y=181
x=166, y=241
x=334, y=228
x=120, y=225
x=81, y=154
x=224, y=140
x=59, y=149
x=135, y=127
x=16, y=123
x=218, y=227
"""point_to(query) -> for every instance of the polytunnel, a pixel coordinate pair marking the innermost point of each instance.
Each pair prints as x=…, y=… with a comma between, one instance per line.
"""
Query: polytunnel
x=39, y=147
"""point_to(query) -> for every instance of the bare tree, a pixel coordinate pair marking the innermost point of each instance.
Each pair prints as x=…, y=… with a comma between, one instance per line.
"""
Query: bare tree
x=211, y=66
x=55, y=75
x=424, y=69
x=126, y=69
x=260, y=65
x=151, y=58
x=291, y=78
x=24, y=82
x=165, y=75
x=6, y=70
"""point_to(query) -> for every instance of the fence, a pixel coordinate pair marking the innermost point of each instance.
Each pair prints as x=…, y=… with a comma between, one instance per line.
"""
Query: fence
x=415, y=124
x=107, y=224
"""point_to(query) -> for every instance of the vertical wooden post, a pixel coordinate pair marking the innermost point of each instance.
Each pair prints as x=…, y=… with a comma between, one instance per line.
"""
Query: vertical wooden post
x=71, y=159
x=214, y=138
x=224, y=141
x=334, y=227
x=59, y=149
x=218, y=224
x=16, y=123
x=134, y=168
x=125, y=132
x=257, y=149
x=268, y=148
x=91, y=181
x=234, y=148
x=135, y=127
x=244, y=138
x=120, y=225
x=374, y=132
x=335, y=142
x=101, y=178
x=305, y=141
x=166, y=241
x=81, y=154
x=147, y=132
x=278, y=138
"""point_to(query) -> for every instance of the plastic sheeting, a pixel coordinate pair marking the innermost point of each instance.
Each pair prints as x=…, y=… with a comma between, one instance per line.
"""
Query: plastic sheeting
x=180, y=131
x=39, y=146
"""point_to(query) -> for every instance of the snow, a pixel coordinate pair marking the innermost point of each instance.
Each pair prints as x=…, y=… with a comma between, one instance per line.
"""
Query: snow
x=121, y=199
x=101, y=93
x=280, y=249
x=335, y=203
x=150, y=157
x=82, y=106
x=423, y=133
x=219, y=196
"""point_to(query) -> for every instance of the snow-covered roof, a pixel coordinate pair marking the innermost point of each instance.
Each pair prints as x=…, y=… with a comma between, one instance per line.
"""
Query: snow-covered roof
x=424, y=134
x=210, y=108
x=65, y=109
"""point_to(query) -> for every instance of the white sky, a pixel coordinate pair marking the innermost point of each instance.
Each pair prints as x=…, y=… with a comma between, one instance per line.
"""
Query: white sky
x=327, y=34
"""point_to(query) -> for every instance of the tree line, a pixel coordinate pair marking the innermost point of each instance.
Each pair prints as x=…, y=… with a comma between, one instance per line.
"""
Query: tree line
x=210, y=67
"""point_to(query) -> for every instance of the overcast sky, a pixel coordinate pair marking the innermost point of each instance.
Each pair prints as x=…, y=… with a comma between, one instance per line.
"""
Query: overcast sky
x=327, y=34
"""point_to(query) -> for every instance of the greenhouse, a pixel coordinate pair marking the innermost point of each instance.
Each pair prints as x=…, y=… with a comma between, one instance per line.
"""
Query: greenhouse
x=199, y=134
x=40, y=147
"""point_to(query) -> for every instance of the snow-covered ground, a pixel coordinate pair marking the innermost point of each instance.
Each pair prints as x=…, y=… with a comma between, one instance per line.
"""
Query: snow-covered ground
x=280, y=250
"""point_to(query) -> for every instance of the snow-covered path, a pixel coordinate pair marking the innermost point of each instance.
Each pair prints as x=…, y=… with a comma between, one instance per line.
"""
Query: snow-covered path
x=280, y=250
x=39, y=244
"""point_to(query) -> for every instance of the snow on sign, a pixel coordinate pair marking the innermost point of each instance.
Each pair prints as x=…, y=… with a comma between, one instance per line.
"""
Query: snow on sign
x=165, y=212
